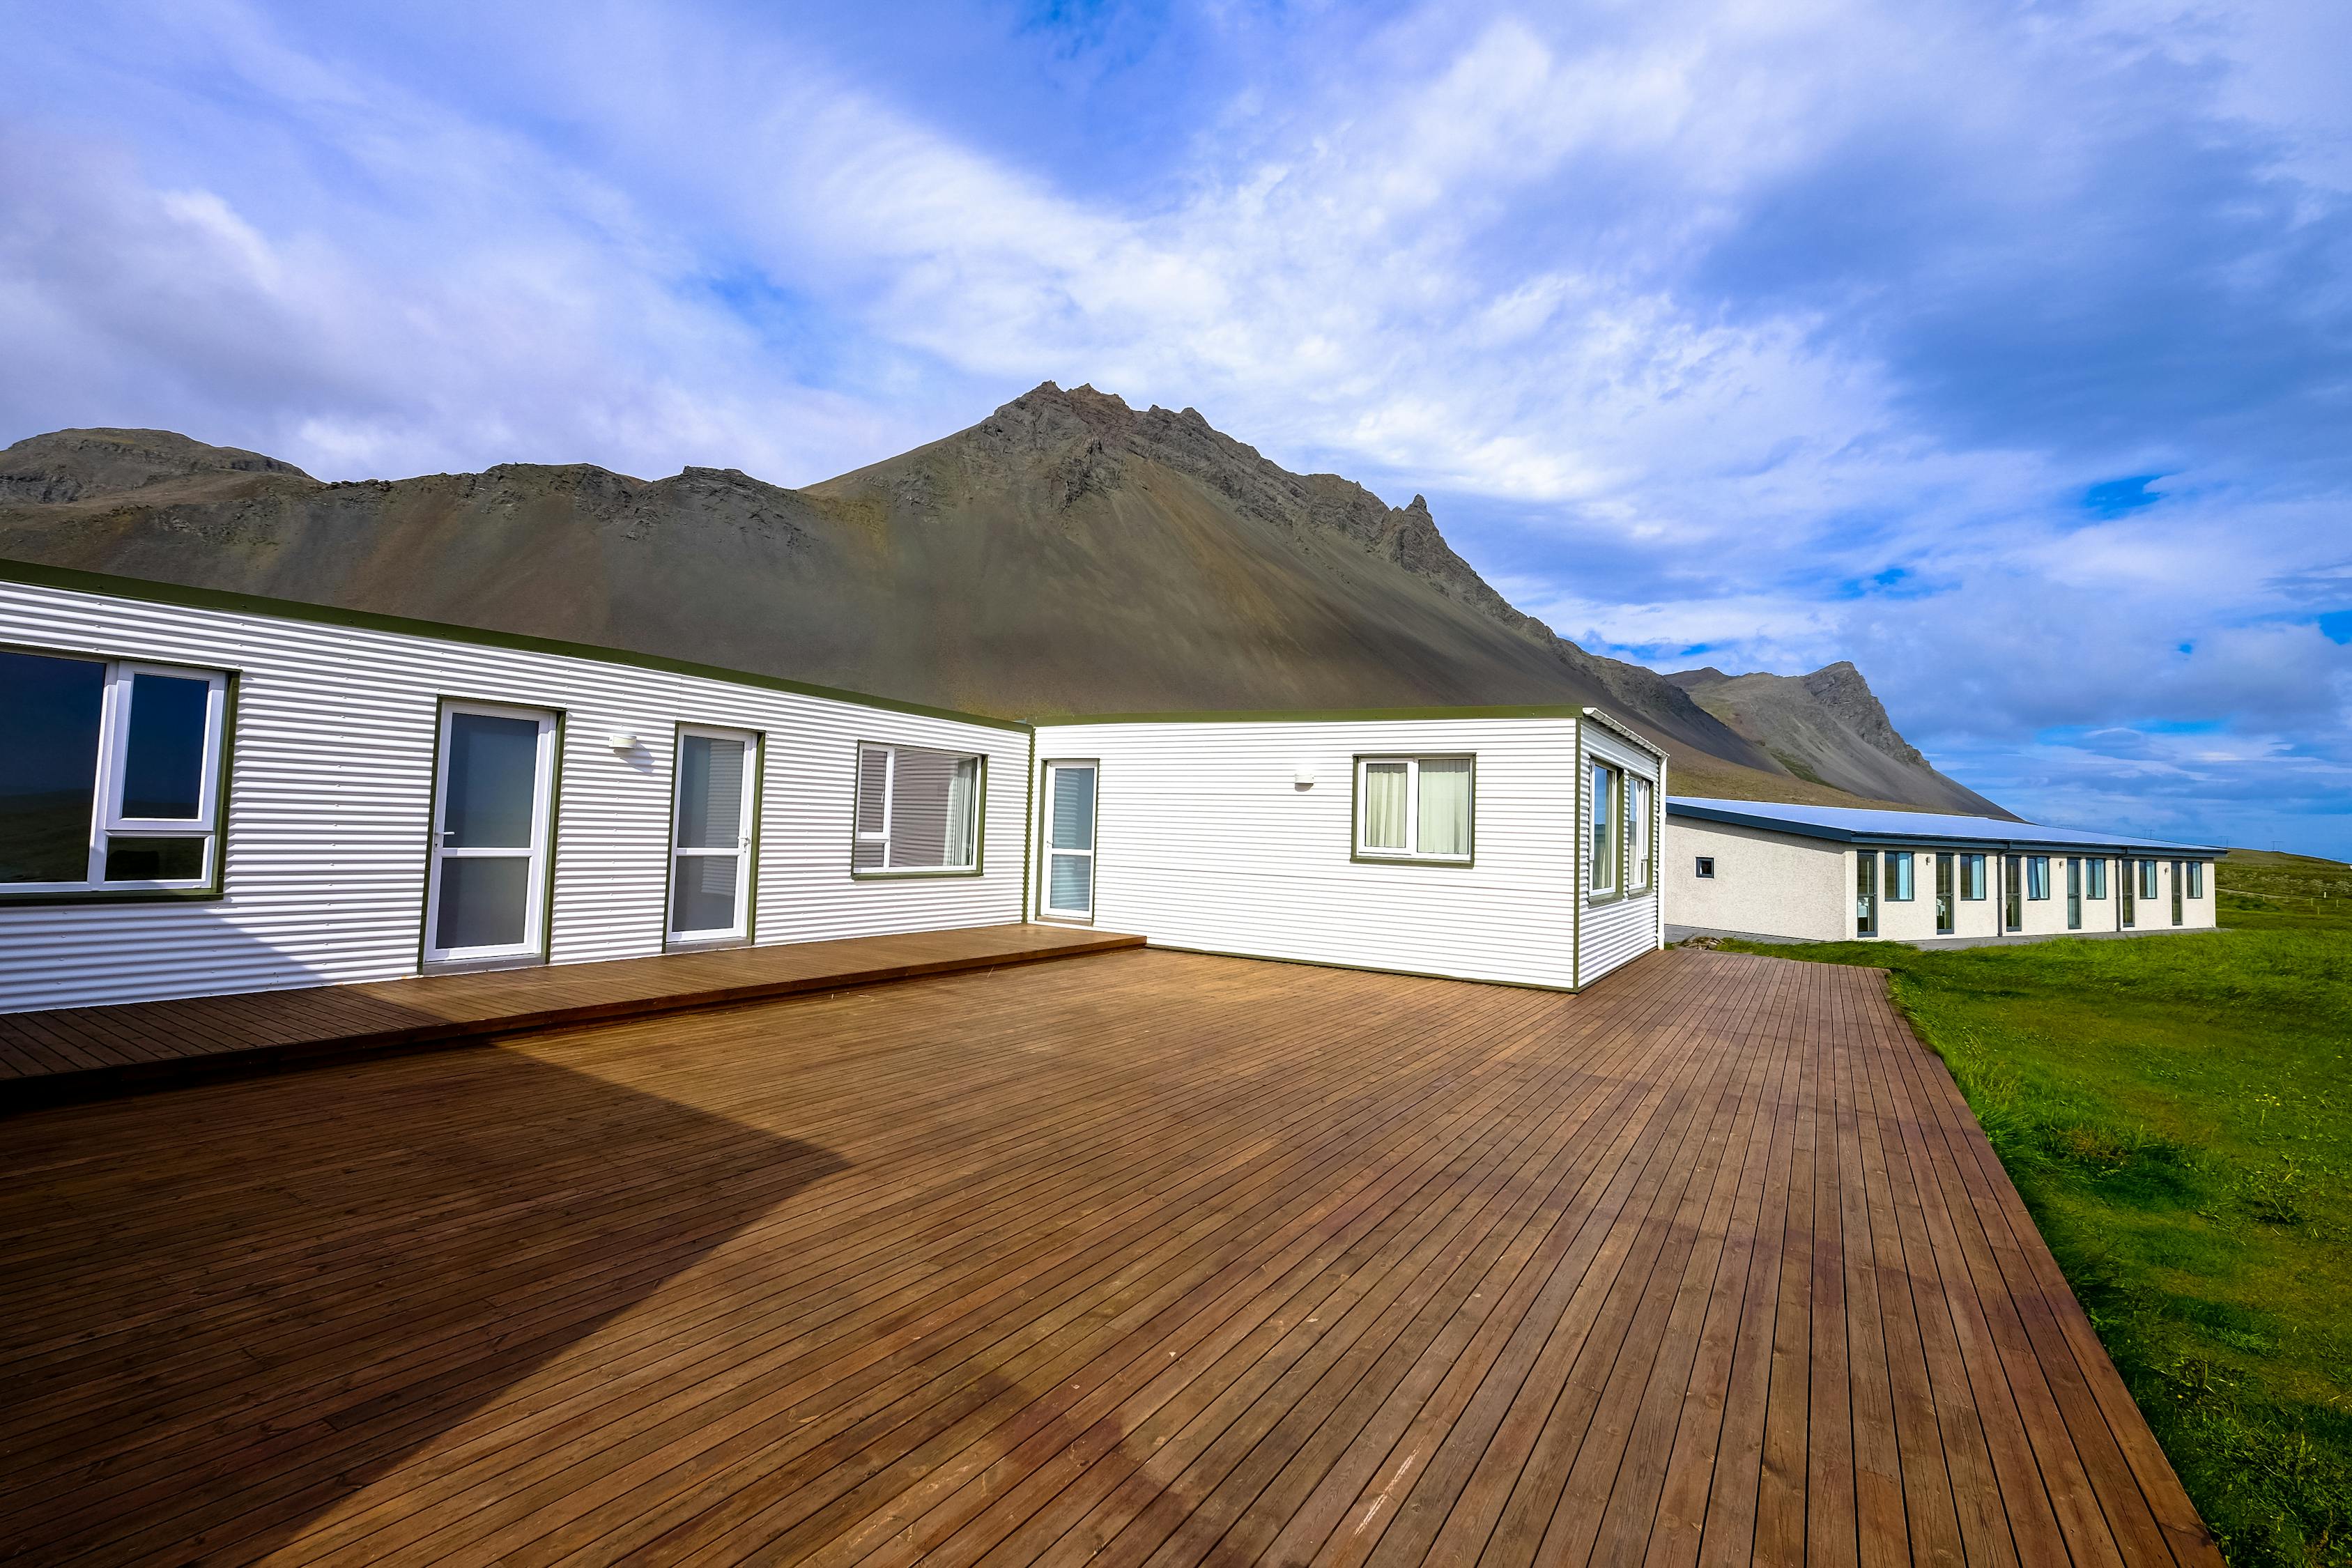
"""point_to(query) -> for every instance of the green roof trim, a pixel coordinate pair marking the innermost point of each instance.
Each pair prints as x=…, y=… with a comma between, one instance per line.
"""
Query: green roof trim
x=34, y=574
x=1623, y=730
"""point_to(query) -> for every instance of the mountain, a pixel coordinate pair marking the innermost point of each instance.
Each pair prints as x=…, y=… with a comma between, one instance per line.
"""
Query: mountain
x=1831, y=728
x=1066, y=554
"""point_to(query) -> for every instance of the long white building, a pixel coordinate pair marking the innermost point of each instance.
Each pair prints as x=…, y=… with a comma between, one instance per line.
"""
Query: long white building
x=204, y=793
x=1510, y=844
x=1821, y=873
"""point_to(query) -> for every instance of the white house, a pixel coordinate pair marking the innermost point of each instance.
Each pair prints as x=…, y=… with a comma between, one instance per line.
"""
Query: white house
x=204, y=793
x=1504, y=844
x=1831, y=874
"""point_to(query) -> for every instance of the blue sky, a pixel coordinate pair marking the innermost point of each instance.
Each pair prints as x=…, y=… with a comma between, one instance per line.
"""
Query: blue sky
x=2005, y=350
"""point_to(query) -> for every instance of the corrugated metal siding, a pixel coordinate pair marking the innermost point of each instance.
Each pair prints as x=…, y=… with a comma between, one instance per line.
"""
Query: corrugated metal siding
x=1206, y=841
x=332, y=787
x=1618, y=932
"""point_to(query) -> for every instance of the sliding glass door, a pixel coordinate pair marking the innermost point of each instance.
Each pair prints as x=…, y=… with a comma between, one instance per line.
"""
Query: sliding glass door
x=486, y=891
x=711, y=850
x=1069, y=871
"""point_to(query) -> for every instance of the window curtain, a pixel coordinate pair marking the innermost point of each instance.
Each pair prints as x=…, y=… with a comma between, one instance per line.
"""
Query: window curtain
x=963, y=800
x=1637, y=832
x=1384, y=805
x=1604, y=828
x=870, y=852
x=1445, y=806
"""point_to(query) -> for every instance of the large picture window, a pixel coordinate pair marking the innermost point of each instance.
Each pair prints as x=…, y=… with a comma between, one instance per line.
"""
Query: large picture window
x=1414, y=808
x=110, y=776
x=917, y=811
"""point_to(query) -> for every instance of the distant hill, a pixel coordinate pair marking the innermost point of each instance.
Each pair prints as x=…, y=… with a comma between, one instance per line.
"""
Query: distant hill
x=1830, y=728
x=1068, y=554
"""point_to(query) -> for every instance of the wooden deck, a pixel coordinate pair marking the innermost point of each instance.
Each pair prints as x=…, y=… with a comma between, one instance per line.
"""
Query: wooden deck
x=82, y=1053
x=1151, y=1258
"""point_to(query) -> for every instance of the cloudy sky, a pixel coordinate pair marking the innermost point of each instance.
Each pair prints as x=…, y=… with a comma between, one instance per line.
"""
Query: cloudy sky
x=2003, y=348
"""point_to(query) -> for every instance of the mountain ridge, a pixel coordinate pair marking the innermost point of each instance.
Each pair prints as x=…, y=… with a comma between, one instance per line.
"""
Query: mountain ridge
x=1068, y=553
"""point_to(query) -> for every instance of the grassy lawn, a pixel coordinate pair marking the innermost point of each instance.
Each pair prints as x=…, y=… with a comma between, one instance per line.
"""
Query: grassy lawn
x=2177, y=1111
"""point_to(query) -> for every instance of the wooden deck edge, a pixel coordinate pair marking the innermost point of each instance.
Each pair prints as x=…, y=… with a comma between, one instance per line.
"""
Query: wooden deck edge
x=121, y=1080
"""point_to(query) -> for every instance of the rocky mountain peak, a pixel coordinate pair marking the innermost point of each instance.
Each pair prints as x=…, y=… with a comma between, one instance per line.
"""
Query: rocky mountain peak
x=1068, y=553
x=81, y=465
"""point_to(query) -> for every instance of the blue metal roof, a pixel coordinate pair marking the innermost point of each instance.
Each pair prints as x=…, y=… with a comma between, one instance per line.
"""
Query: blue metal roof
x=1848, y=824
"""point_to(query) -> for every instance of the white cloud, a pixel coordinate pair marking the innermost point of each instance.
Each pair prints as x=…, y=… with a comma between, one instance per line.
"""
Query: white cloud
x=1791, y=332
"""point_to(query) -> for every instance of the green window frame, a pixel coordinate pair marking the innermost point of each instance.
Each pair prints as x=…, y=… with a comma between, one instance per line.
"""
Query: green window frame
x=1417, y=807
x=1605, y=876
x=916, y=810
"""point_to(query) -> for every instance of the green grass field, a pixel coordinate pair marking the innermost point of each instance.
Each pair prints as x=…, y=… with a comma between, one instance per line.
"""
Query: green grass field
x=2177, y=1111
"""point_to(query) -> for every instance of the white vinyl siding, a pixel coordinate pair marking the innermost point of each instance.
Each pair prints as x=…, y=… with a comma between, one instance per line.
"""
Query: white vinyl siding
x=1237, y=837
x=331, y=790
x=1615, y=930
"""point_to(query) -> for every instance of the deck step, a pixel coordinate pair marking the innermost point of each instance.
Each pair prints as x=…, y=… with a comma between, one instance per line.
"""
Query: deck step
x=72, y=1054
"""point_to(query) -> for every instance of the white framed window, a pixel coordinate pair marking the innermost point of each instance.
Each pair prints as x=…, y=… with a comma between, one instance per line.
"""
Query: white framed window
x=1606, y=784
x=918, y=812
x=713, y=814
x=1638, y=858
x=1067, y=882
x=486, y=886
x=110, y=776
x=1901, y=886
x=1415, y=808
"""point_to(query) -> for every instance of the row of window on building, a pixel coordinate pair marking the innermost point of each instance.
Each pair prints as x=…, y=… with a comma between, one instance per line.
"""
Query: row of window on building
x=111, y=782
x=1962, y=876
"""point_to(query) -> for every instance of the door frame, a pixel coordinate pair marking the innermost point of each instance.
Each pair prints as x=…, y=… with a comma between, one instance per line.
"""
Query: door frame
x=2013, y=894
x=1947, y=893
x=538, y=902
x=1866, y=895
x=2073, y=892
x=747, y=911
x=1045, y=850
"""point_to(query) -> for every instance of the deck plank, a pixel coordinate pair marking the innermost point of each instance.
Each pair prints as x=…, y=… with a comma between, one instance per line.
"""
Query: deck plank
x=86, y=1053
x=1155, y=1258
